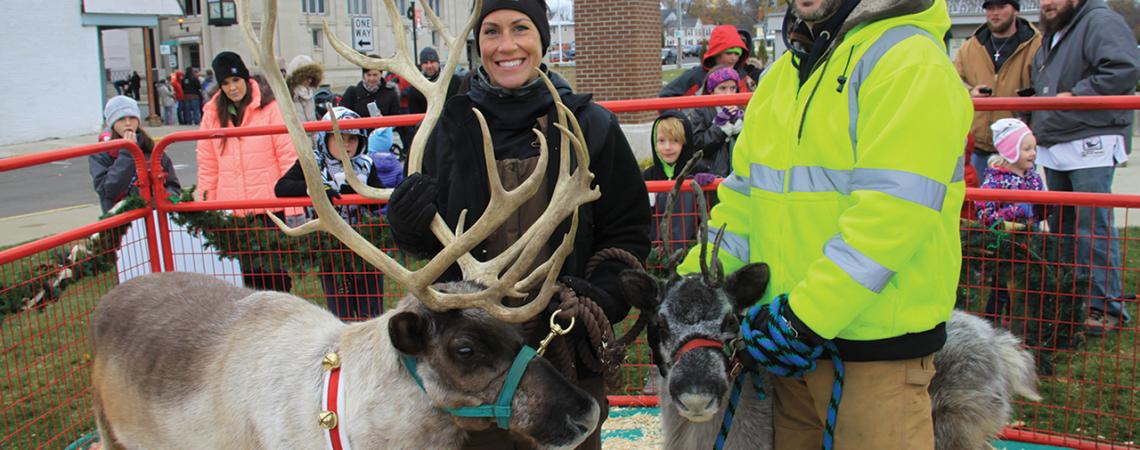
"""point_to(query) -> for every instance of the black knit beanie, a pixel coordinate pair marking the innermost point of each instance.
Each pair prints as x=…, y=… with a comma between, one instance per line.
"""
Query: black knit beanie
x=229, y=64
x=535, y=9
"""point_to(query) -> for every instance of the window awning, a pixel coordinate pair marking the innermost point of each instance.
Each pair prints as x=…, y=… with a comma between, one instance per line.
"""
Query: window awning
x=133, y=7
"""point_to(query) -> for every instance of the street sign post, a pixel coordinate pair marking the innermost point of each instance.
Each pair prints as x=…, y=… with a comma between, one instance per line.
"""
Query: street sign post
x=362, y=34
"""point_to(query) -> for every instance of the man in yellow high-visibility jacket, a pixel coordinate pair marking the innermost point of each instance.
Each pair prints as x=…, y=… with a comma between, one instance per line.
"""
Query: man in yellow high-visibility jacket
x=848, y=180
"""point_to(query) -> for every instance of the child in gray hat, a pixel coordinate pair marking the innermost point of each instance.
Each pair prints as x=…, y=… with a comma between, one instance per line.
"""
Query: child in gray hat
x=113, y=173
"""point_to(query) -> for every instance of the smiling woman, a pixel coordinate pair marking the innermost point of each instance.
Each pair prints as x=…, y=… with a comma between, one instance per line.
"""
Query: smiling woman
x=512, y=37
x=510, y=48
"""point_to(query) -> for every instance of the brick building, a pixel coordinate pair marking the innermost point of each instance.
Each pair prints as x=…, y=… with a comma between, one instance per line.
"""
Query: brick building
x=619, y=45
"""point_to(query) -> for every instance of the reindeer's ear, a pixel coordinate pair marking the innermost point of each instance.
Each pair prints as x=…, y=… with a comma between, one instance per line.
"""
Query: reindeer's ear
x=409, y=333
x=747, y=285
x=640, y=289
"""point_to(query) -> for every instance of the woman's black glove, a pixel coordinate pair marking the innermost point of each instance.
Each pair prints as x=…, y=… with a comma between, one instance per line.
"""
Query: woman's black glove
x=411, y=209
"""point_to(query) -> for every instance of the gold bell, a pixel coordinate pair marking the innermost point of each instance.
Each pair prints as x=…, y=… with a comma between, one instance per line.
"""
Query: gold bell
x=331, y=361
x=328, y=420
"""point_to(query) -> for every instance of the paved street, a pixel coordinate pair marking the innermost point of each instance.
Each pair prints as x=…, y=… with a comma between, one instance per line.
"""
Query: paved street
x=47, y=199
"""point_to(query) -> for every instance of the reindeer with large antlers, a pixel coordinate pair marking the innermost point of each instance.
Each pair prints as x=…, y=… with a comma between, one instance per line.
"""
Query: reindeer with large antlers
x=509, y=94
x=186, y=361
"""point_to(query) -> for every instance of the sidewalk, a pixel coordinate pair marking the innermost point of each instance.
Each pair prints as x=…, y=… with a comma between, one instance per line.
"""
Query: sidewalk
x=6, y=151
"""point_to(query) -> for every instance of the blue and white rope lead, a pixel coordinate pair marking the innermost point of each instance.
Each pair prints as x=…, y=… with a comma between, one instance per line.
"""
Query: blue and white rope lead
x=789, y=356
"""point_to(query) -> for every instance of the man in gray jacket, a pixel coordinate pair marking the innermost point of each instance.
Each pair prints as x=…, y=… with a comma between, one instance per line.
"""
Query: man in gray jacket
x=1087, y=49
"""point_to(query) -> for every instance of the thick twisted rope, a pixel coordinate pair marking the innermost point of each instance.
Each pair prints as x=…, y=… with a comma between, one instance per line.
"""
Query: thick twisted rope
x=779, y=343
x=596, y=347
x=734, y=402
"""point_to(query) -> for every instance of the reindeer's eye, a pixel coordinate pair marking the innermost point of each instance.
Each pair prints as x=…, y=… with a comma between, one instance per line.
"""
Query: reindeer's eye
x=465, y=352
x=464, y=349
x=729, y=325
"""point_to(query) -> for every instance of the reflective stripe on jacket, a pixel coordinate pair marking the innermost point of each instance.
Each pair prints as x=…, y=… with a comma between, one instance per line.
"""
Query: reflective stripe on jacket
x=850, y=188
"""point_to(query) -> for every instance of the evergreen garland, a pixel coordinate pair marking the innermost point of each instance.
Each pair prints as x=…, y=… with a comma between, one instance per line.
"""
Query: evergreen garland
x=34, y=286
x=254, y=240
x=1046, y=308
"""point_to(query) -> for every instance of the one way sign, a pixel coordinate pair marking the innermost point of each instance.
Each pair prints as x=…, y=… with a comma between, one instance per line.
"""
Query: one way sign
x=362, y=34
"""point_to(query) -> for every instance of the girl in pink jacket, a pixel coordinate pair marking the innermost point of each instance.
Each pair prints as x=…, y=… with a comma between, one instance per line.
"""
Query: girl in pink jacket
x=244, y=168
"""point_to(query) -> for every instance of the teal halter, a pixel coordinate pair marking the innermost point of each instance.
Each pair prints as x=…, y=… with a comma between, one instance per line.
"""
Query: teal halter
x=501, y=410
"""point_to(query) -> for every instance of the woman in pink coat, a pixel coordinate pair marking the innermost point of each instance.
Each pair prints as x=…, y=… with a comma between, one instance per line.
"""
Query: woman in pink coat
x=245, y=168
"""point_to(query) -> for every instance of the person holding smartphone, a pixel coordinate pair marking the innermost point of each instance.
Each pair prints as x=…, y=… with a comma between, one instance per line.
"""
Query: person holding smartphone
x=372, y=97
x=995, y=62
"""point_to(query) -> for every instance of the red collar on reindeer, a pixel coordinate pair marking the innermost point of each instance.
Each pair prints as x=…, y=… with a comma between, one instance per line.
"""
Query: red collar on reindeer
x=694, y=344
x=735, y=363
x=332, y=403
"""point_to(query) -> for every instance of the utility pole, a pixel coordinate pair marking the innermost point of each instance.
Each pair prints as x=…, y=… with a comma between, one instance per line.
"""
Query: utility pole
x=415, y=31
x=678, y=35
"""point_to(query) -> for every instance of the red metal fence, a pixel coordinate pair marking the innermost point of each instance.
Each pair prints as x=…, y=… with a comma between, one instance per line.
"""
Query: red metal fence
x=1031, y=280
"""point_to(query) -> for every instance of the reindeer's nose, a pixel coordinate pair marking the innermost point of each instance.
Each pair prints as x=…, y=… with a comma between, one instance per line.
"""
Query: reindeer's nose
x=587, y=422
x=697, y=407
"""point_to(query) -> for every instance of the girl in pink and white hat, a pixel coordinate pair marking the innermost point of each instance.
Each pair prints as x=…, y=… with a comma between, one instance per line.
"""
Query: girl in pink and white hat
x=1011, y=168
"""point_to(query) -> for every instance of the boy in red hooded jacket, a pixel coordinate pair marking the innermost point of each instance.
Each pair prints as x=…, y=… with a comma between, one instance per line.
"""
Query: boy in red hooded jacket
x=726, y=48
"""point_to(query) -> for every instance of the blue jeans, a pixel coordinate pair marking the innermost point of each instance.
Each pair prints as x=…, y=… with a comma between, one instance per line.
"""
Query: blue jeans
x=182, y=112
x=1094, y=230
x=170, y=114
x=193, y=110
x=980, y=162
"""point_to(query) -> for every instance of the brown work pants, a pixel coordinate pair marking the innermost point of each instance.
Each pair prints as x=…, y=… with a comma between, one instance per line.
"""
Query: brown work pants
x=885, y=405
x=495, y=438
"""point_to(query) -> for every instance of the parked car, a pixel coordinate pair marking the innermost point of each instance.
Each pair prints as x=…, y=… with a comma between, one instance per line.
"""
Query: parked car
x=561, y=55
x=691, y=50
x=668, y=55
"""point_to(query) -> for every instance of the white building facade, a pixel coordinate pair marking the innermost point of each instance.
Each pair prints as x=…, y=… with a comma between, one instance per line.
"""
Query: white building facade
x=192, y=42
x=693, y=31
x=54, y=73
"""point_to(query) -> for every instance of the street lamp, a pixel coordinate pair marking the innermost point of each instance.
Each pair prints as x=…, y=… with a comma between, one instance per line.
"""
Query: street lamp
x=182, y=25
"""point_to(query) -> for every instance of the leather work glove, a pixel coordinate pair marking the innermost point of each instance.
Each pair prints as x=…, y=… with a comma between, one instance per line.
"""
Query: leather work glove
x=704, y=179
x=411, y=209
x=779, y=341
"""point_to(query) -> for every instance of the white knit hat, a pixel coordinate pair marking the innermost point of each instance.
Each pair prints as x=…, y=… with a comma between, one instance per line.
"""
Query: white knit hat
x=118, y=107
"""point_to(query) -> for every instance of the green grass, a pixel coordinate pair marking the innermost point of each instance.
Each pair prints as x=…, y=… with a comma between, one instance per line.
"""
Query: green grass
x=1093, y=392
x=669, y=74
x=46, y=369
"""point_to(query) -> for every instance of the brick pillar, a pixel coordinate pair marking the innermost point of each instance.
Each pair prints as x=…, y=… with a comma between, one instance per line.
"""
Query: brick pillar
x=619, y=51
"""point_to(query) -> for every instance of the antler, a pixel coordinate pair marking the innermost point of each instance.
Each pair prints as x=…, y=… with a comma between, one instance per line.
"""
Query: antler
x=505, y=276
x=665, y=226
x=402, y=64
x=713, y=276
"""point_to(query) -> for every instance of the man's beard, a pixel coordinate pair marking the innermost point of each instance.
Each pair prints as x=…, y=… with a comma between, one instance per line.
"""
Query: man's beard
x=826, y=9
x=1002, y=27
x=1064, y=15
